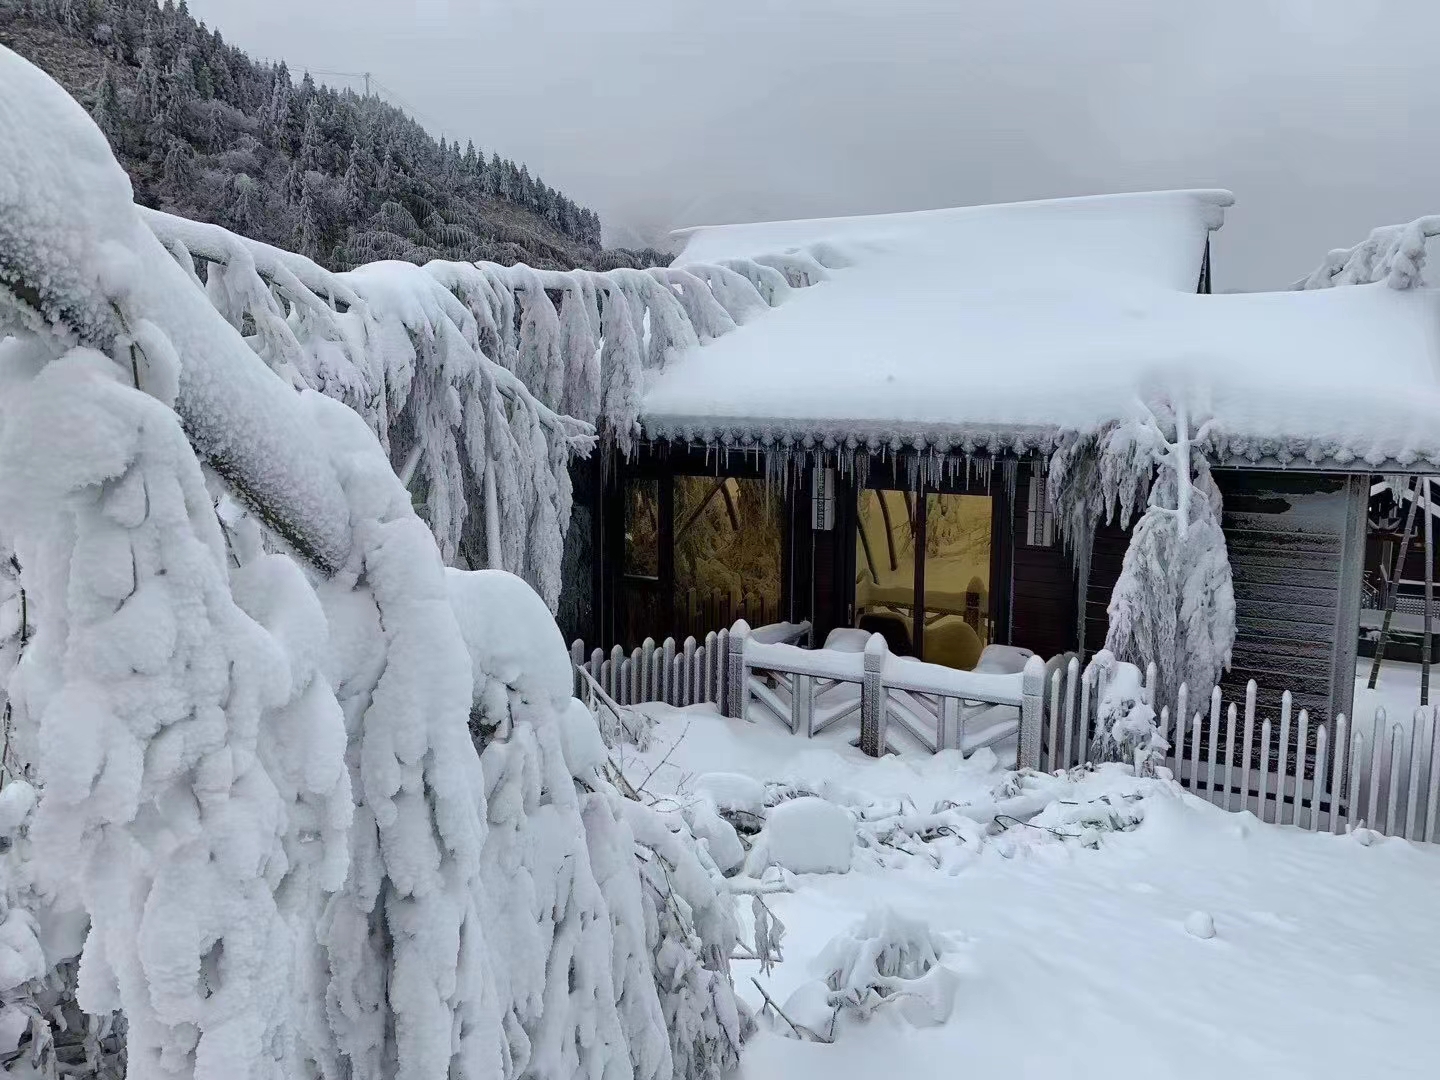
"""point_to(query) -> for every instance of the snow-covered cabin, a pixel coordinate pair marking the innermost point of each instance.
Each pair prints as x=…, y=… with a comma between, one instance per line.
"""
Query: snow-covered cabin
x=907, y=393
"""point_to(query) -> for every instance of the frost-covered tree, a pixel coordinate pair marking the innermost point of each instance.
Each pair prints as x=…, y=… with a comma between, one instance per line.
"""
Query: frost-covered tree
x=1173, y=603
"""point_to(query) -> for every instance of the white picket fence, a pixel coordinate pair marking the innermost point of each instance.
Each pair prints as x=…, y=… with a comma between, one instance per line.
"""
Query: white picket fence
x=678, y=674
x=1383, y=775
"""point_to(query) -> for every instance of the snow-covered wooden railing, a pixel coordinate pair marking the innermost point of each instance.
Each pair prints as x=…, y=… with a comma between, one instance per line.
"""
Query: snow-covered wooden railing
x=679, y=674
x=941, y=708
x=1384, y=774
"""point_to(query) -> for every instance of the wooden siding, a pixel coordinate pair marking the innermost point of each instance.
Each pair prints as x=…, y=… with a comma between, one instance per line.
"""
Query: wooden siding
x=1295, y=556
x=1042, y=607
x=1106, y=557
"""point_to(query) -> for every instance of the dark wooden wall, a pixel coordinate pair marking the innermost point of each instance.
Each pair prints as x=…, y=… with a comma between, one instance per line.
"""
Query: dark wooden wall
x=1296, y=551
x=1106, y=557
x=1042, y=604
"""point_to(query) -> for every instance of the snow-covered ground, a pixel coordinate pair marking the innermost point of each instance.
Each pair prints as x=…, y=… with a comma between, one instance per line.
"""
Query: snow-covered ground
x=1397, y=689
x=1072, y=957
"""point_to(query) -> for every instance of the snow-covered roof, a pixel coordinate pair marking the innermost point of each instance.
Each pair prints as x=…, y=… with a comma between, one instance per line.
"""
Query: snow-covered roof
x=996, y=327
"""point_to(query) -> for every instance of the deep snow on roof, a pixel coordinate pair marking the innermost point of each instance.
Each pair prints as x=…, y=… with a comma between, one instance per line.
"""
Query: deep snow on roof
x=1049, y=315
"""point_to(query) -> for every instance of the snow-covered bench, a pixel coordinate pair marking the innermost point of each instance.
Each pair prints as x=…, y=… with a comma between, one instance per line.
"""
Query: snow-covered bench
x=811, y=690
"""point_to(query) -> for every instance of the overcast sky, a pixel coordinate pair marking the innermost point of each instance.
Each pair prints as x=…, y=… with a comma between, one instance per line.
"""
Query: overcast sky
x=1319, y=114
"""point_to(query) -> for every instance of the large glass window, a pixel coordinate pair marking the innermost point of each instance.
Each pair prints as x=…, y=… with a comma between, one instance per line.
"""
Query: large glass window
x=951, y=623
x=727, y=552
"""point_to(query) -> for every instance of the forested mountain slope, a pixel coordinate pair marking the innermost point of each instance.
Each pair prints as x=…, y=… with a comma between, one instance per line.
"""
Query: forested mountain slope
x=208, y=133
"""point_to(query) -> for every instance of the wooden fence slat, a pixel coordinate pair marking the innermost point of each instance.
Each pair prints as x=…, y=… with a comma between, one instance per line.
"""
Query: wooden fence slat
x=1377, y=729
x=1392, y=807
x=1248, y=749
x=1230, y=715
x=1262, y=810
x=1179, y=756
x=1070, y=715
x=1302, y=733
x=1082, y=718
x=708, y=666
x=1433, y=801
x=637, y=677
x=1212, y=764
x=1317, y=793
x=1073, y=679
x=688, y=680
x=1055, y=693
x=1357, y=750
x=647, y=670
x=1195, y=741
x=1182, y=715
x=1337, y=783
x=1282, y=772
x=1412, y=796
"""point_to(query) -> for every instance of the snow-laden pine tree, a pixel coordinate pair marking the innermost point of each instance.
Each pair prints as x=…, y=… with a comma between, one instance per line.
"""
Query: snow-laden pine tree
x=1173, y=603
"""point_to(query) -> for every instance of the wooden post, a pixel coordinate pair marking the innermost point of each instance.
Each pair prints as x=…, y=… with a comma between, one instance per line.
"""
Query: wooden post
x=736, y=691
x=950, y=720
x=1032, y=713
x=872, y=698
x=689, y=677
x=577, y=657
x=802, y=704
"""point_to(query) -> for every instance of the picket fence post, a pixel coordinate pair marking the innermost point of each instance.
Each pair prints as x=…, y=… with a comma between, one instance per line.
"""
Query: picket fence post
x=872, y=698
x=737, y=693
x=1032, y=712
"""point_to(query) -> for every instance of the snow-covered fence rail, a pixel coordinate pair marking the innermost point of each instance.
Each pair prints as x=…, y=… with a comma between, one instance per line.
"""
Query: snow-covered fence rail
x=811, y=690
x=1382, y=774
x=676, y=673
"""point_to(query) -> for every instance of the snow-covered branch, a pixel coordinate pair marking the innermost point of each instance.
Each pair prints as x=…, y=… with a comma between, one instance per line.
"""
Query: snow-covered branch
x=1394, y=254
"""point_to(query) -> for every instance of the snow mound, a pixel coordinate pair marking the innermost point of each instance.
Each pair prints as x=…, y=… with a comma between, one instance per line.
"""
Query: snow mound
x=720, y=837
x=1200, y=924
x=885, y=958
x=809, y=836
x=732, y=792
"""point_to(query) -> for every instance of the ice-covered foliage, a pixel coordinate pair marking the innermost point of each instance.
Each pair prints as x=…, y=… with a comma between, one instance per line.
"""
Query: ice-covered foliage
x=1125, y=727
x=478, y=378
x=611, y=924
x=154, y=699
x=887, y=958
x=328, y=809
x=1173, y=603
x=1394, y=254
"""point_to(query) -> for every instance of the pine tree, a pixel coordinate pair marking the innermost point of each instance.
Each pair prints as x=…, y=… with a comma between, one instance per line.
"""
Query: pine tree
x=178, y=171
x=353, y=185
x=106, y=110
x=308, y=233
x=244, y=204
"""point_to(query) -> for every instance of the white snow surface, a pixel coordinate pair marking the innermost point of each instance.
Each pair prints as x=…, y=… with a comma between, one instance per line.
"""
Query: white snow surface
x=953, y=325
x=1071, y=960
x=809, y=836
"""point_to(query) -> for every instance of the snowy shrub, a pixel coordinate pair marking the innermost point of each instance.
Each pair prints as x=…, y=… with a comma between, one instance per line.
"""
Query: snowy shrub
x=1125, y=727
x=886, y=958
